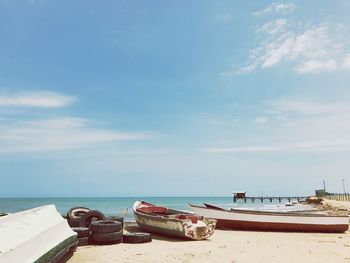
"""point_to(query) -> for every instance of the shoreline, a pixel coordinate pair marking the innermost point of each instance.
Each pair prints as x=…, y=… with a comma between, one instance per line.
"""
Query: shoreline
x=228, y=246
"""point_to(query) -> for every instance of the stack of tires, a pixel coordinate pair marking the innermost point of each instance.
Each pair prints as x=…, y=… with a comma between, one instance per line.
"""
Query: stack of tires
x=92, y=227
x=106, y=232
x=75, y=214
x=89, y=217
x=83, y=235
x=82, y=217
x=116, y=218
x=137, y=238
x=79, y=219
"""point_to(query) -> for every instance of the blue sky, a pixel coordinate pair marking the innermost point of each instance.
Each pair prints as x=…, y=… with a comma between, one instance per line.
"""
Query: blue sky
x=173, y=98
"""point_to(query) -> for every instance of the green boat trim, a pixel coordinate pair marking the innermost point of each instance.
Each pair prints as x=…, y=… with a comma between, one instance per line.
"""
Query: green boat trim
x=48, y=256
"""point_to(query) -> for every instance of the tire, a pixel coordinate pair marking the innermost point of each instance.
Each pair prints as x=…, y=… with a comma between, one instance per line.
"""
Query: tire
x=74, y=247
x=77, y=212
x=116, y=218
x=83, y=241
x=107, y=238
x=73, y=222
x=88, y=217
x=105, y=226
x=81, y=231
x=137, y=238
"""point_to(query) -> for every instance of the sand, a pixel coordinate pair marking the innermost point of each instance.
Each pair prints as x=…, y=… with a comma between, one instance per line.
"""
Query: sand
x=337, y=204
x=227, y=246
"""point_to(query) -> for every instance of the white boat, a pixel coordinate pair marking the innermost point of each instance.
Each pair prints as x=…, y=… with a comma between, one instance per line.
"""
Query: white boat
x=169, y=222
x=273, y=221
x=36, y=235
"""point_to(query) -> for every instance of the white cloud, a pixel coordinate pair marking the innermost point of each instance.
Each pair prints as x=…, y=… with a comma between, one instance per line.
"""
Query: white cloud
x=215, y=122
x=276, y=8
x=273, y=27
x=41, y=99
x=292, y=147
x=212, y=120
x=306, y=48
x=312, y=50
x=312, y=120
x=317, y=66
x=261, y=120
x=58, y=134
x=346, y=62
x=307, y=107
x=236, y=120
x=298, y=126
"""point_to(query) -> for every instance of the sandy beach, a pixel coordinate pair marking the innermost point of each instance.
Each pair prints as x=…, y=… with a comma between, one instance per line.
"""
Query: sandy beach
x=228, y=246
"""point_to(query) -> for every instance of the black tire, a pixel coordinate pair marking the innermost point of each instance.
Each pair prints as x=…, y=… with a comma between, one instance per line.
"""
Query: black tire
x=88, y=217
x=74, y=247
x=105, y=226
x=77, y=212
x=107, y=238
x=137, y=238
x=83, y=241
x=73, y=222
x=116, y=218
x=81, y=231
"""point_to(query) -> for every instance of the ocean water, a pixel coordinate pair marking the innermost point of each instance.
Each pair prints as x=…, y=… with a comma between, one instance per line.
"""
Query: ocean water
x=122, y=206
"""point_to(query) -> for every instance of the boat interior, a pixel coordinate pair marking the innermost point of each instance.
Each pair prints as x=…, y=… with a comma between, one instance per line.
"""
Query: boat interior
x=151, y=209
x=305, y=213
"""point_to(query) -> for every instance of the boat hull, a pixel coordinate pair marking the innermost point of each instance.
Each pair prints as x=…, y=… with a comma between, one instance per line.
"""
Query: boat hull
x=261, y=221
x=281, y=227
x=163, y=225
x=37, y=235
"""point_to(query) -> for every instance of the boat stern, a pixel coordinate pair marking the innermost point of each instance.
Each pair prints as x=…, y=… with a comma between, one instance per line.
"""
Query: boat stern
x=203, y=229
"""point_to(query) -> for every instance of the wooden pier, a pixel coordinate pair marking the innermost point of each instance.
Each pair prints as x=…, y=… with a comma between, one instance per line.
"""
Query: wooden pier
x=269, y=198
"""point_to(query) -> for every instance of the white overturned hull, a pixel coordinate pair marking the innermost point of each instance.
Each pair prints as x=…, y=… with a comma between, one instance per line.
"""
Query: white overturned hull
x=272, y=221
x=35, y=235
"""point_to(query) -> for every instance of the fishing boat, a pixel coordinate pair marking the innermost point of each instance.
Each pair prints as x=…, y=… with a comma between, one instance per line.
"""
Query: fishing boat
x=169, y=222
x=272, y=221
x=37, y=235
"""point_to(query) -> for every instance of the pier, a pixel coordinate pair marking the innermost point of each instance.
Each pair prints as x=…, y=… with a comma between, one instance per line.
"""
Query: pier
x=242, y=196
x=269, y=198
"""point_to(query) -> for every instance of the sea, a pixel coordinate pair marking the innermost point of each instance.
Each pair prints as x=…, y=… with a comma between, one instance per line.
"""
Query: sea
x=122, y=206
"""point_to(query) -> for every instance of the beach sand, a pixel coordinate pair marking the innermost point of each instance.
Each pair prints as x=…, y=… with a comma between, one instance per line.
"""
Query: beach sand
x=226, y=246
x=337, y=204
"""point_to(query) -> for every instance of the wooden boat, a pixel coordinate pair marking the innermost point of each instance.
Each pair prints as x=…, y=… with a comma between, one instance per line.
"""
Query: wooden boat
x=273, y=221
x=169, y=222
x=37, y=235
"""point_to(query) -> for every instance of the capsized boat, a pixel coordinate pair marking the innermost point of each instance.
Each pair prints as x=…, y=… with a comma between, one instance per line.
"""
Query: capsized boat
x=273, y=221
x=37, y=235
x=169, y=222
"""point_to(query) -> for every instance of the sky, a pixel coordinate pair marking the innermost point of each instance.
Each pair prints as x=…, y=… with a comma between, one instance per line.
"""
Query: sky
x=173, y=98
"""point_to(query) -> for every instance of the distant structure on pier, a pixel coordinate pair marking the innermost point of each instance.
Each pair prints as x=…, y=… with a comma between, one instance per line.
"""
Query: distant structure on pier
x=239, y=195
x=322, y=192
